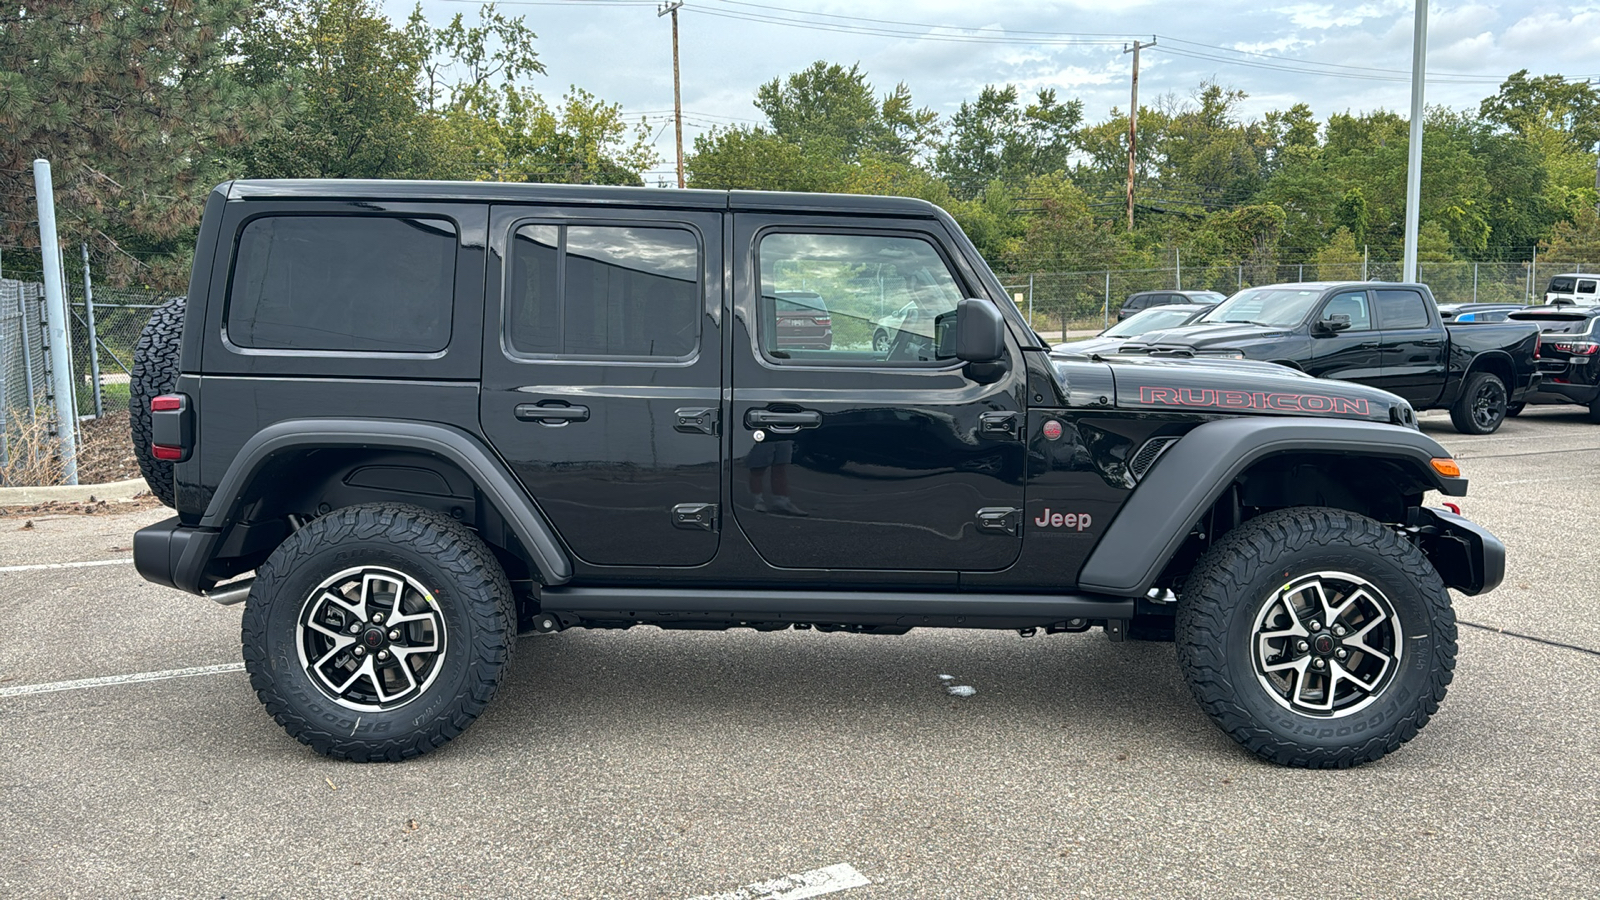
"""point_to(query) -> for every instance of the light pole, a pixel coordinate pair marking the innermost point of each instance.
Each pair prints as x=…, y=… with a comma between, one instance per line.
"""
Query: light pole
x=1419, y=69
x=677, y=96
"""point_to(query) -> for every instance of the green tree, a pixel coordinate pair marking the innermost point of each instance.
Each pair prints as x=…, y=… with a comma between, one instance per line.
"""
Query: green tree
x=134, y=106
x=516, y=136
x=830, y=110
x=995, y=138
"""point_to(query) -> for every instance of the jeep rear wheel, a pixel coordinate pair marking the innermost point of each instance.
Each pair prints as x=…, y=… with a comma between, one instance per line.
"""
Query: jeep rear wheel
x=378, y=632
x=1481, y=408
x=1316, y=637
x=155, y=372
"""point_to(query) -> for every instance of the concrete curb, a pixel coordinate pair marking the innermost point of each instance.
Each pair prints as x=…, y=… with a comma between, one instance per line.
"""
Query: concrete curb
x=111, y=490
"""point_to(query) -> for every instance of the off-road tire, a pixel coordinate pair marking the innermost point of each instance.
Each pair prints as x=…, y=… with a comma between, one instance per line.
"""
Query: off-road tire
x=155, y=372
x=471, y=599
x=1236, y=580
x=1481, y=408
x=1515, y=410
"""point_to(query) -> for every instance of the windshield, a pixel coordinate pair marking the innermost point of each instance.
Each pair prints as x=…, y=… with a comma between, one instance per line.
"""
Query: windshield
x=1272, y=307
x=1149, y=320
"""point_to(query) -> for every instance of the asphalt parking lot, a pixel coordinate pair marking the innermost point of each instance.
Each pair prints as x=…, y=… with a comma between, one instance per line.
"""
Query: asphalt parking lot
x=645, y=764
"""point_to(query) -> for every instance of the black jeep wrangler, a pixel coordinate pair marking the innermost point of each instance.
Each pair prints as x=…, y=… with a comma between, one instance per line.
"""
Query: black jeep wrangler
x=407, y=421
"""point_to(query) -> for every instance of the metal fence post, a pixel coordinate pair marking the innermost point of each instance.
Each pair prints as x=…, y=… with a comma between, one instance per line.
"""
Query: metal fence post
x=1177, y=253
x=94, y=339
x=1105, y=314
x=1030, y=301
x=1302, y=276
x=1474, y=282
x=56, y=310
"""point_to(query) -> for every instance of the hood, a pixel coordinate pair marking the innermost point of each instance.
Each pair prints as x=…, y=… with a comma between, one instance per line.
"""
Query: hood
x=1091, y=346
x=1220, y=335
x=1235, y=387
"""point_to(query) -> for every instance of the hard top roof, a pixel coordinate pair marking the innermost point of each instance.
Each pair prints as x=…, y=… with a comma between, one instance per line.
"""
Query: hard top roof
x=571, y=194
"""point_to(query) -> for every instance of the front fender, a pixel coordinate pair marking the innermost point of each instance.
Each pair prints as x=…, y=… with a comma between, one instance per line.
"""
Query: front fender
x=1178, y=490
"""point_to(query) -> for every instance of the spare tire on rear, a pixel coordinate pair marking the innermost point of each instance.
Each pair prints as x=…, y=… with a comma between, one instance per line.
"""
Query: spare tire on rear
x=155, y=372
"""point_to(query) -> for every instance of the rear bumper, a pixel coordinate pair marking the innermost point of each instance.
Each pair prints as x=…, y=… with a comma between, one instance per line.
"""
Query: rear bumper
x=1466, y=555
x=172, y=554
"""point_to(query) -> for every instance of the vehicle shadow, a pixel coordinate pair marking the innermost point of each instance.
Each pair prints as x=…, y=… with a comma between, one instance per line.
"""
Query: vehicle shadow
x=648, y=685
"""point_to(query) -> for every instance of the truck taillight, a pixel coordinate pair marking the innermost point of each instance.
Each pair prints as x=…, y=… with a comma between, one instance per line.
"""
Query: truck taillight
x=822, y=320
x=1577, y=348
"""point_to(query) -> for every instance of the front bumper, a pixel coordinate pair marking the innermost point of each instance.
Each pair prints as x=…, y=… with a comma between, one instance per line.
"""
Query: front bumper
x=1466, y=555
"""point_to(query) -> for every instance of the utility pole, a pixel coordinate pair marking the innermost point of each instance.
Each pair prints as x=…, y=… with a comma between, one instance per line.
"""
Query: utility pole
x=1419, y=71
x=1133, y=121
x=671, y=6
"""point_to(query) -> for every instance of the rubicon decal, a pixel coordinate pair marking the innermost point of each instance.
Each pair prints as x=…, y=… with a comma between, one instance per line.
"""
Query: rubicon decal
x=1209, y=398
x=1075, y=521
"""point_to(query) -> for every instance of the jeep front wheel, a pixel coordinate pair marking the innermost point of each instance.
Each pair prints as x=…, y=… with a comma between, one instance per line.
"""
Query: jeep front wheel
x=1316, y=637
x=378, y=632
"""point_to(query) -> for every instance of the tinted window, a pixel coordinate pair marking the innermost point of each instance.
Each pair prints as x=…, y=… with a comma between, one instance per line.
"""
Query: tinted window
x=604, y=290
x=848, y=298
x=1585, y=287
x=1560, y=286
x=1402, y=309
x=343, y=283
x=1353, y=305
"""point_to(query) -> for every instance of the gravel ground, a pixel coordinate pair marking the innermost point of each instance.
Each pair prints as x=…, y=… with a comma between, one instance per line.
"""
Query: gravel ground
x=647, y=764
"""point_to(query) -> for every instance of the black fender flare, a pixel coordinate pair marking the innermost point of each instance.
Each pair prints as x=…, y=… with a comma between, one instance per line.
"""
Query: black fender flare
x=1194, y=472
x=487, y=471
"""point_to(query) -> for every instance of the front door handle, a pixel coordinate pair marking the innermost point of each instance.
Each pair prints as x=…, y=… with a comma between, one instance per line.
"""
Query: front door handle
x=551, y=415
x=767, y=418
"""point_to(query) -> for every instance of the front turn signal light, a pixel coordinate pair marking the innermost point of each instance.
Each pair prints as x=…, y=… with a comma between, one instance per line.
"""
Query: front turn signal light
x=1446, y=466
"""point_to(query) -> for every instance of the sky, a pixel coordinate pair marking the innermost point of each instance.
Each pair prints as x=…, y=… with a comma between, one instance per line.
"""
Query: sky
x=1336, y=57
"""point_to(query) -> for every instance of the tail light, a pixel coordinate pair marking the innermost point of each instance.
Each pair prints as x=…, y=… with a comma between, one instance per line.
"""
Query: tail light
x=822, y=320
x=171, y=427
x=1577, y=348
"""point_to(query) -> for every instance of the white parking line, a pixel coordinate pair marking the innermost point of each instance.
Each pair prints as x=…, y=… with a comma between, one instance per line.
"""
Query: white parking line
x=23, y=690
x=814, y=883
x=40, y=567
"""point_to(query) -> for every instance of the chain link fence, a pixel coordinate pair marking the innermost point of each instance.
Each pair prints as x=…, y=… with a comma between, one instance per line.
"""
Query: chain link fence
x=1065, y=301
x=24, y=367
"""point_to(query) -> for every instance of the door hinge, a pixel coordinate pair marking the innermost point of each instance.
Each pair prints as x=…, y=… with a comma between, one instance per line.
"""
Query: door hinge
x=695, y=516
x=1000, y=520
x=999, y=424
x=697, y=420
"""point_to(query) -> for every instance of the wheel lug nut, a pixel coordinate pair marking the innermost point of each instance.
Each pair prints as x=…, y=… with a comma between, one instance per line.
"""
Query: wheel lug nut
x=1341, y=653
x=383, y=654
x=1338, y=630
x=1315, y=625
x=360, y=651
x=1302, y=646
x=355, y=627
x=377, y=617
x=394, y=635
x=1317, y=663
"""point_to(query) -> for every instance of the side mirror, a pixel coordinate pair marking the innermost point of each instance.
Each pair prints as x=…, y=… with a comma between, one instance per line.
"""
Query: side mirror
x=1332, y=324
x=975, y=332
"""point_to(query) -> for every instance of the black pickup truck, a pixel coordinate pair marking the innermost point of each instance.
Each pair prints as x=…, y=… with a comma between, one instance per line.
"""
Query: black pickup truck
x=1385, y=334
x=406, y=421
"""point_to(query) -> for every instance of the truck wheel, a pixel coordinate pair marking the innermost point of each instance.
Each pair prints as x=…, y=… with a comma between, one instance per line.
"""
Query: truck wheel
x=378, y=632
x=880, y=341
x=155, y=372
x=1482, y=405
x=1316, y=637
x=1515, y=410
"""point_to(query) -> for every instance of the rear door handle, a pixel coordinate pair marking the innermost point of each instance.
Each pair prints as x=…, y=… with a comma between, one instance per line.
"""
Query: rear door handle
x=767, y=418
x=551, y=415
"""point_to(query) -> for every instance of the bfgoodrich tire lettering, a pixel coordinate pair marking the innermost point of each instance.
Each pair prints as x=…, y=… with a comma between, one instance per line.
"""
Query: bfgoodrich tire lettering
x=422, y=587
x=1225, y=612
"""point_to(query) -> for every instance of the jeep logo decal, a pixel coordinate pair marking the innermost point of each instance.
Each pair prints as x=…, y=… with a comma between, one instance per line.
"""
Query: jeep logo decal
x=1077, y=521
